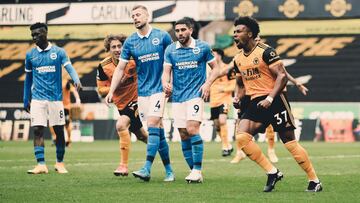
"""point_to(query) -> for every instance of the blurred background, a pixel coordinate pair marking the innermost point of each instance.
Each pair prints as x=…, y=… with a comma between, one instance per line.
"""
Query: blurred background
x=318, y=40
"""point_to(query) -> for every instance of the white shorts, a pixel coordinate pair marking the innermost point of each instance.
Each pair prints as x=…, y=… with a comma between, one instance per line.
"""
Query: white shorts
x=42, y=110
x=152, y=105
x=191, y=110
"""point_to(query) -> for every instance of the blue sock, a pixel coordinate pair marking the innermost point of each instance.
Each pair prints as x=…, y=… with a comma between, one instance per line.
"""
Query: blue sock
x=197, y=146
x=187, y=152
x=152, y=146
x=164, y=151
x=39, y=154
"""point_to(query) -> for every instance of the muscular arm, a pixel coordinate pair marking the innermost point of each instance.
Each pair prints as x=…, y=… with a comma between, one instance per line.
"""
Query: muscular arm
x=279, y=72
x=300, y=87
x=215, y=73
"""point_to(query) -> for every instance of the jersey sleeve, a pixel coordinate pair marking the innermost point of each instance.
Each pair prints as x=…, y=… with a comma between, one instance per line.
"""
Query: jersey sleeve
x=100, y=74
x=209, y=56
x=270, y=56
x=126, y=51
x=28, y=66
x=167, y=40
x=64, y=58
x=167, y=56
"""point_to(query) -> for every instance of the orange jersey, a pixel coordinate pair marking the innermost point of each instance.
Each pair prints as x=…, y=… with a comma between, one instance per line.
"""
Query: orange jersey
x=221, y=90
x=127, y=91
x=67, y=88
x=254, y=69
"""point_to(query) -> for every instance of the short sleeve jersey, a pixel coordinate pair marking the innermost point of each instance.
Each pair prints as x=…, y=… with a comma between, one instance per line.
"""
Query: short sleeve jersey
x=189, y=68
x=46, y=67
x=254, y=69
x=148, y=53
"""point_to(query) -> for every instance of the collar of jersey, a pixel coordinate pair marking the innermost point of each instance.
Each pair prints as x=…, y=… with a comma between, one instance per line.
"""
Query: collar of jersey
x=47, y=48
x=192, y=44
x=147, y=34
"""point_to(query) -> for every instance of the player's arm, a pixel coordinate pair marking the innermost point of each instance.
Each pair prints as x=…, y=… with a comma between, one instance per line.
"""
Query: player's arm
x=65, y=61
x=300, y=87
x=166, y=78
x=76, y=95
x=239, y=91
x=102, y=82
x=278, y=71
x=27, y=84
x=116, y=79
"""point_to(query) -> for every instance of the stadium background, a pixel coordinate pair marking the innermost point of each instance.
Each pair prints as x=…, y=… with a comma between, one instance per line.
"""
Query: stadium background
x=320, y=41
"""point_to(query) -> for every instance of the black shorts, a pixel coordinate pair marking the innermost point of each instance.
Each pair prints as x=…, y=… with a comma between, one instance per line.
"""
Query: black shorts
x=216, y=111
x=131, y=111
x=278, y=114
x=244, y=103
x=67, y=116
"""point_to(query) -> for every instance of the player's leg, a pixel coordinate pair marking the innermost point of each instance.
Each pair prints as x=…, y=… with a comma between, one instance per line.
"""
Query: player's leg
x=270, y=135
x=194, y=110
x=214, y=116
x=227, y=148
x=38, y=122
x=247, y=129
x=240, y=155
x=122, y=128
x=302, y=158
x=158, y=101
x=57, y=121
x=53, y=136
x=68, y=127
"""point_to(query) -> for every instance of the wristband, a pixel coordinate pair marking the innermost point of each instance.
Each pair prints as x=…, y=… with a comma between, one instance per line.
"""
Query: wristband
x=270, y=99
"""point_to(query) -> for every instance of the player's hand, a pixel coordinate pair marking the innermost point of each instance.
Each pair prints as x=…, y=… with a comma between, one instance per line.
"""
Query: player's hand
x=205, y=90
x=108, y=98
x=167, y=89
x=78, y=86
x=264, y=104
x=302, y=89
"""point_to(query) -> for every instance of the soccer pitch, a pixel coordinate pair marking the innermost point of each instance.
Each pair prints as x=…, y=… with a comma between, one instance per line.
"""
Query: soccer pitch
x=90, y=177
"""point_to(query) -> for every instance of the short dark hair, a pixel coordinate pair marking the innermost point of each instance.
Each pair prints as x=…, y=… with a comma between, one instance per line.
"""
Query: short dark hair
x=139, y=6
x=38, y=25
x=249, y=22
x=112, y=37
x=219, y=51
x=187, y=21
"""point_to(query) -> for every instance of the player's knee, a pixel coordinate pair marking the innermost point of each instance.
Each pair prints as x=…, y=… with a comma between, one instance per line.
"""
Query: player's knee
x=153, y=121
x=192, y=130
x=121, y=125
x=243, y=138
x=38, y=131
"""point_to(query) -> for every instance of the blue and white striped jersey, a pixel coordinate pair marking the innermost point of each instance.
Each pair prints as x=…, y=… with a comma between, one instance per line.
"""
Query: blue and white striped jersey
x=189, y=68
x=46, y=67
x=148, y=52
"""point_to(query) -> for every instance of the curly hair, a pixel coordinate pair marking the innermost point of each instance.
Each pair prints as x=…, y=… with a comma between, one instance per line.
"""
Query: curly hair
x=112, y=37
x=249, y=22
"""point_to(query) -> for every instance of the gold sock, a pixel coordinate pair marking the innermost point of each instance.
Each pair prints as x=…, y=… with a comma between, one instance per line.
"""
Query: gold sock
x=270, y=135
x=124, y=142
x=253, y=151
x=224, y=137
x=302, y=158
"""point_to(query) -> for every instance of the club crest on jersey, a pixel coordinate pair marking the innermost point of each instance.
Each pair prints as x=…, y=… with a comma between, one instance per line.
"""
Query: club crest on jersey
x=53, y=56
x=256, y=61
x=155, y=41
x=196, y=50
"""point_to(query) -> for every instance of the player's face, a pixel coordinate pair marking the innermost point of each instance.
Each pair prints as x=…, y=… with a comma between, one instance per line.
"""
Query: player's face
x=241, y=36
x=140, y=17
x=183, y=33
x=39, y=36
x=115, y=49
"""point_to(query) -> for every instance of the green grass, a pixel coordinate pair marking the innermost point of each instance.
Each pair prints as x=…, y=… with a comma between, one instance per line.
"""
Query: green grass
x=91, y=179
